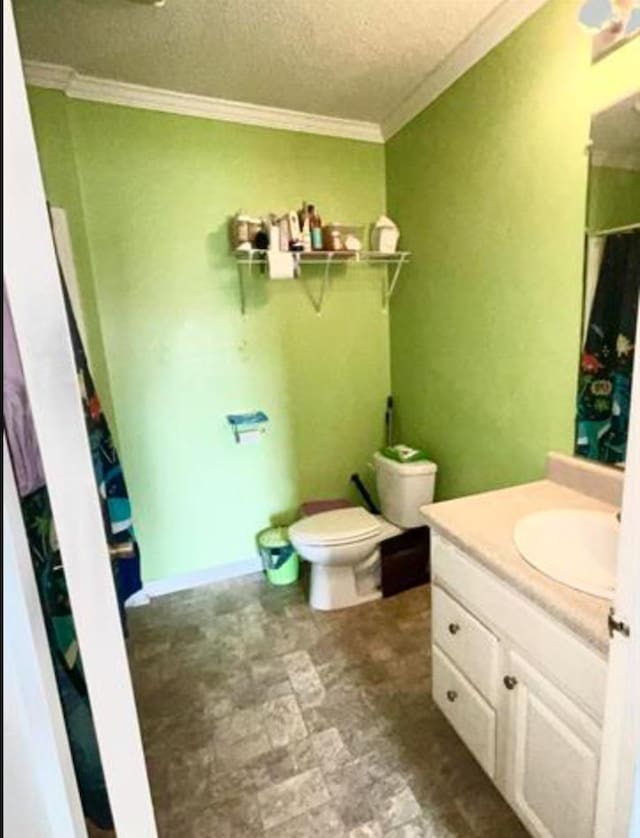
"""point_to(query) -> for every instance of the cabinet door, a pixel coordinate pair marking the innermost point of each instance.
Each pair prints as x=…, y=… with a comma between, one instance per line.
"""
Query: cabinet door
x=552, y=756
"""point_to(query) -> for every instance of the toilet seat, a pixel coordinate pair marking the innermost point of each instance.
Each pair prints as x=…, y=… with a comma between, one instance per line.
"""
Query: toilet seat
x=339, y=526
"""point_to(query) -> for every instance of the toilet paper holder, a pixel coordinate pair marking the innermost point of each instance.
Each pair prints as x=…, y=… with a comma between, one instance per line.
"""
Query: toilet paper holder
x=247, y=427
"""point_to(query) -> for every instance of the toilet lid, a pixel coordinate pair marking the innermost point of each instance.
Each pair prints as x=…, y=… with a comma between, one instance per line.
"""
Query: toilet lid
x=340, y=526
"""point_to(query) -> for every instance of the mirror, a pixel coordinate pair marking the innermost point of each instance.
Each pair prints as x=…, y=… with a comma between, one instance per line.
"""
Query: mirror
x=612, y=284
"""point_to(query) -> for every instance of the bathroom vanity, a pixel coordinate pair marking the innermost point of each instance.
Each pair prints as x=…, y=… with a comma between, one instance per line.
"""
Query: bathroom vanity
x=519, y=659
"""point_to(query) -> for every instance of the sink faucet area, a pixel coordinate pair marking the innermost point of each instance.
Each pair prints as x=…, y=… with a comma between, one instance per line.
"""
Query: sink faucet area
x=553, y=540
x=574, y=546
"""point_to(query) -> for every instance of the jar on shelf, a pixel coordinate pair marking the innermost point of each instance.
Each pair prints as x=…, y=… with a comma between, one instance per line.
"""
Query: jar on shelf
x=385, y=235
x=343, y=237
x=332, y=239
x=245, y=228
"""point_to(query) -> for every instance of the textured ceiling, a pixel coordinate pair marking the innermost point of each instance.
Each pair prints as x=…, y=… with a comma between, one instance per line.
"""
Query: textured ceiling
x=356, y=59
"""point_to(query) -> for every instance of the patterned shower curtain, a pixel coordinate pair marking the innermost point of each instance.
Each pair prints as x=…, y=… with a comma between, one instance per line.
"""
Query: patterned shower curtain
x=606, y=365
x=48, y=567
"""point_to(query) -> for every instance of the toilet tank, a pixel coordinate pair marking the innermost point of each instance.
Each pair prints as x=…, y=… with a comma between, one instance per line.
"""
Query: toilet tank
x=403, y=488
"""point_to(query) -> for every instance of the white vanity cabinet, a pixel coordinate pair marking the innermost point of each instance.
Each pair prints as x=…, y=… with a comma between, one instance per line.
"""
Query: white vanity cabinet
x=524, y=693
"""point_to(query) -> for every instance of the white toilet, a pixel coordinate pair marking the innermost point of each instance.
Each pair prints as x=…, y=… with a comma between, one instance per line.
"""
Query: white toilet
x=343, y=545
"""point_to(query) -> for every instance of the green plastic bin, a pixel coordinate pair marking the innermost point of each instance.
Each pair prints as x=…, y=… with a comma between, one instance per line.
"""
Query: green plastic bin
x=279, y=559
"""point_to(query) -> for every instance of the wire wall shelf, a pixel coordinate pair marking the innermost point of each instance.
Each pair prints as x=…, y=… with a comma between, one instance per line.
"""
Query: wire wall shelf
x=248, y=260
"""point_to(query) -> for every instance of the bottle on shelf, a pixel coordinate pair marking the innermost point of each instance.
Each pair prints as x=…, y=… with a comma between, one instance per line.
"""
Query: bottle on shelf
x=295, y=236
x=273, y=229
x=305, y=227
x=315, y=224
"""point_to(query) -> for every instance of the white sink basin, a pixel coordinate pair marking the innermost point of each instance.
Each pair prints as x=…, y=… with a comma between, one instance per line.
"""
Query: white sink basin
x=575, y=546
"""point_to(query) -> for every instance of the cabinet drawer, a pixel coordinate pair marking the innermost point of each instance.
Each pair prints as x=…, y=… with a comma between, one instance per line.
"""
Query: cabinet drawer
x=470, y=715
x=577, y=668
x=471, y=646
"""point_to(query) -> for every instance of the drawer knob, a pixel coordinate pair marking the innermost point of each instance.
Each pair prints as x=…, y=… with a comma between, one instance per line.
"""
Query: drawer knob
x=454, y=628
x=510, y=682
x=452, y=695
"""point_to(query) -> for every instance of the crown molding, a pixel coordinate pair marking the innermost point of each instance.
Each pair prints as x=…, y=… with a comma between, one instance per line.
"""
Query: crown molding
x=616, y=160
x=93, y=89
x=493, y=29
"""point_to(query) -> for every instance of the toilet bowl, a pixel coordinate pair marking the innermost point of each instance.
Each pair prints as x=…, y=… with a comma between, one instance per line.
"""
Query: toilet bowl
x=342, y=545
x=343, y=549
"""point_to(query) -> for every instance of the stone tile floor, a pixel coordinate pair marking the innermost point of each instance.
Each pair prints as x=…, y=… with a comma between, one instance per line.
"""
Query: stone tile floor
x=261, y=717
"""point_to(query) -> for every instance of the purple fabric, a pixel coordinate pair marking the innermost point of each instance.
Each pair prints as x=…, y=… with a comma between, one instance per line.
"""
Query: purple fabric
x=18, y=422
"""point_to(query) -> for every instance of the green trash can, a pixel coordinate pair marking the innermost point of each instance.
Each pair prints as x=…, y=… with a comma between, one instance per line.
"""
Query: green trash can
x=279, y=559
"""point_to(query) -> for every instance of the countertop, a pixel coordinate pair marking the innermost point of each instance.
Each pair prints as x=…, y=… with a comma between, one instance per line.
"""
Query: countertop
x=482, y=526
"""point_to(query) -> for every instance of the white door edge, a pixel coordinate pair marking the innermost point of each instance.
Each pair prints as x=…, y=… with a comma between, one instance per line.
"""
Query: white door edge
x=35, y=297
x=43, y=737
x=621, y=732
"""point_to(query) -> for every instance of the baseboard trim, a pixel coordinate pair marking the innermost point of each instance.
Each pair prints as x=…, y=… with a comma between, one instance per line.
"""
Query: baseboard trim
x=185, y=581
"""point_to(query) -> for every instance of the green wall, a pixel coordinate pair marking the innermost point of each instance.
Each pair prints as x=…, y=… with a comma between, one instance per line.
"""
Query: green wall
x=488, y=185
x=614, y=197
x=157, y=191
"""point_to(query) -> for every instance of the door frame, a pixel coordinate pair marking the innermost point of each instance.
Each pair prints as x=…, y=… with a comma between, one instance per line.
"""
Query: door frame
x=35, y=297
x=619, y=786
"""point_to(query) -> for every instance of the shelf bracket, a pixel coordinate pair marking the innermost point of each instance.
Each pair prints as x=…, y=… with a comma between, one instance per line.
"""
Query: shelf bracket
x=247, y=259
x=243, y=302
x=317, y=302
x=389, y=286
x=240, y=266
